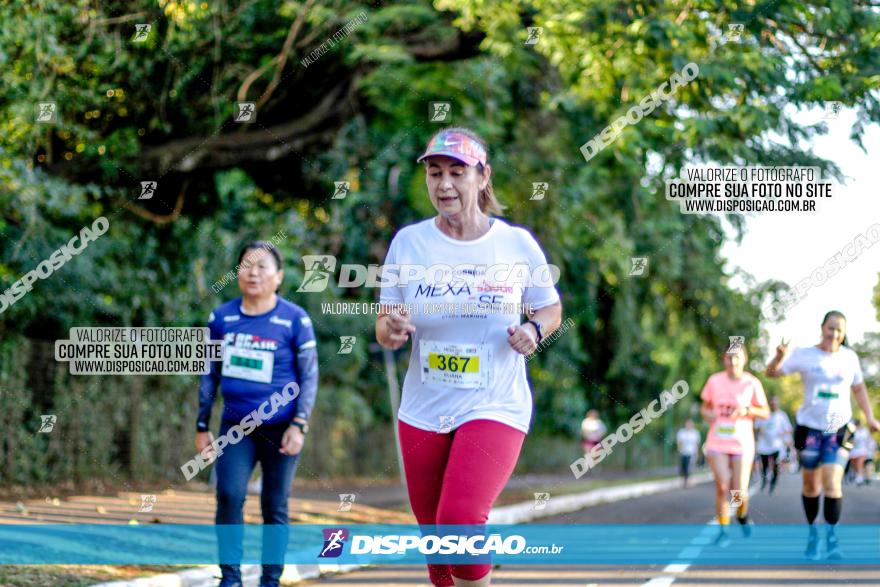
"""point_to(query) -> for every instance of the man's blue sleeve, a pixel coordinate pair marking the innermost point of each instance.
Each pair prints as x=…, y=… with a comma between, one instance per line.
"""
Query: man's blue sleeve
x=306, y=350
x=209, y=383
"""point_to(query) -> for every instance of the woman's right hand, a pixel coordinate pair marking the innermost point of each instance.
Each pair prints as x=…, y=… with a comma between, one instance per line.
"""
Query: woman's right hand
x=707, y=410
x=398, y=327
x=203, y=441
x=782, y=349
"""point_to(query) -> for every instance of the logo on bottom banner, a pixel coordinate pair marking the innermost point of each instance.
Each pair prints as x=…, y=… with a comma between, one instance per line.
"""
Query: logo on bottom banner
x=334, y=539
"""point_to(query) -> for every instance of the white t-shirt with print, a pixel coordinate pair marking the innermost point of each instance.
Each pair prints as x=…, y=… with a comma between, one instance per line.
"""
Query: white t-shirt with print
x=772, y=433
x=452, y=328
x=861, y=441
x=828, y=379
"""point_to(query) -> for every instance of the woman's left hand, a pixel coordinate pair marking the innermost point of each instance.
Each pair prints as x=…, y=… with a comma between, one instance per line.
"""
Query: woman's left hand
x=873, y=425
x=292, y=441
x=740, y=412
x=522, y=340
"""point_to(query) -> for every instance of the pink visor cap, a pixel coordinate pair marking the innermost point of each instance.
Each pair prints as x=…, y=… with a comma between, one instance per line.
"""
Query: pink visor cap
x=458, y=146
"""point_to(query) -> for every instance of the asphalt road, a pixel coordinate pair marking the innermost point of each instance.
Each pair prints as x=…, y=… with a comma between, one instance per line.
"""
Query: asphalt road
x=685, y=506
x=695, y=505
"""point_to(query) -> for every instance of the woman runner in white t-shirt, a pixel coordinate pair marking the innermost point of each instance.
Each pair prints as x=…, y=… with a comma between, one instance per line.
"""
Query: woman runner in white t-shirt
x=859, y=452
x=466, y=402
x=823, y=432
x=592, y=431
x=774, y=436
x=688, y=442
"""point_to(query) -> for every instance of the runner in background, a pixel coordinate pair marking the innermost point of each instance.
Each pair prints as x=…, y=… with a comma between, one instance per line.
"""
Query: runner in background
x=831, y=374
x=756, y=467
x=592, y=431
x=466, y=402
x=869, y=460
x=790, y=459
x=861, y=441
x=269, y=343
x=731, y=400
x=774, y=437
x=687, y=440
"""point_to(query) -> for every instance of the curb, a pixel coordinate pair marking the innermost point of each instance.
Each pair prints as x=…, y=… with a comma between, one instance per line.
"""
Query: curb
x=510, y=514
x=564, y=504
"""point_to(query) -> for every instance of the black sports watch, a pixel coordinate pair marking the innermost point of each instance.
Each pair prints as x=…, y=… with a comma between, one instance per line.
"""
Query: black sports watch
x=538, y=328
x=303, y=426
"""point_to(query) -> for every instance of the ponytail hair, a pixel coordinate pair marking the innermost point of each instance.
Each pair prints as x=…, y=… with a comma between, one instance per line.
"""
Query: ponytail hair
x=487, y=201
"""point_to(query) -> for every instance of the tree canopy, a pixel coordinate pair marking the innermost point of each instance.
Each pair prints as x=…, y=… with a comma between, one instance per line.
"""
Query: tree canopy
x=162, y=109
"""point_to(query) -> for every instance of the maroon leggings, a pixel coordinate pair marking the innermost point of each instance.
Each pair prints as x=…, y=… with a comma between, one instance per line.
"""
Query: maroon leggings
x=455, y=478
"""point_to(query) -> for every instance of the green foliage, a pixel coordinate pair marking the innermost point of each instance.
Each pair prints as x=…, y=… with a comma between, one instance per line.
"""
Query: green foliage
x=869, y=357
x=126, y=112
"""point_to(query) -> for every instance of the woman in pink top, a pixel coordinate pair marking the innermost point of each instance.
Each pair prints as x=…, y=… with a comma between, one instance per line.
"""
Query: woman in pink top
x=732, y=399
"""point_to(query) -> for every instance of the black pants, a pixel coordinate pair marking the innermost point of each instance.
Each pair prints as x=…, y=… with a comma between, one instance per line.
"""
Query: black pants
x=765, y=462
x=685, y=466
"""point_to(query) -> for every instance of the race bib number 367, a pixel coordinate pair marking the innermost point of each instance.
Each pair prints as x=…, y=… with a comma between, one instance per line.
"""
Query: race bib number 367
x=455, y=364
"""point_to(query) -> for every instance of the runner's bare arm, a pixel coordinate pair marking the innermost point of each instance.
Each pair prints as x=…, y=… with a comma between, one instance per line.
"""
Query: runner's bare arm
x=550, y=318
x=860, y=391
x=707, y=411
x=758, y=412
x=773, y=368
